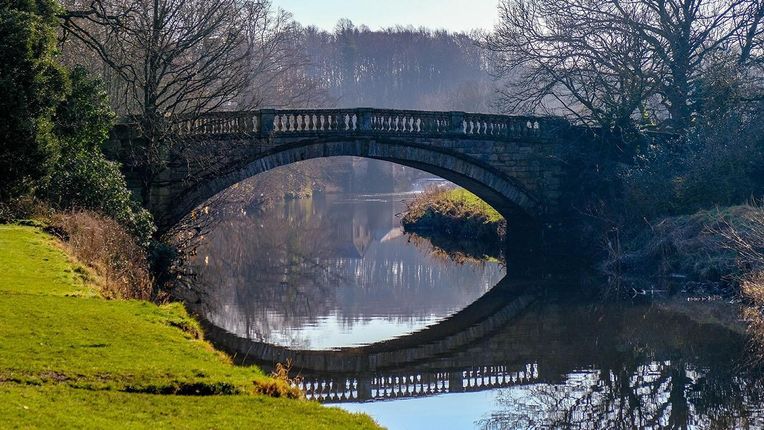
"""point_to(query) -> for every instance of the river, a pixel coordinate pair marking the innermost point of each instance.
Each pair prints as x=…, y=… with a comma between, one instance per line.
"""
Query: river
x=377, y=321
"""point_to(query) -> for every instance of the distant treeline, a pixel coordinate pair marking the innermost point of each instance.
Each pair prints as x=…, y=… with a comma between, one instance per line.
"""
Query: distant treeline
x=401, y=67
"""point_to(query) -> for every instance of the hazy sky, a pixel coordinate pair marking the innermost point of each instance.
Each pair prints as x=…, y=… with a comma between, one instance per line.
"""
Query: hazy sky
x=453, y=15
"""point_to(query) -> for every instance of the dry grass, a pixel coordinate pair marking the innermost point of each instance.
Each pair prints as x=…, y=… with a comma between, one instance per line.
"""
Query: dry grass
x=110, y=250
x=281, y=383
x=747, y=240
x=707, y=246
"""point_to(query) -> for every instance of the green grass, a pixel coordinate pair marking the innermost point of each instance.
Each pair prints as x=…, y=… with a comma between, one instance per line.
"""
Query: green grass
x=456, y=203
x=456, y=213
x=472, y=204
x=69, y=358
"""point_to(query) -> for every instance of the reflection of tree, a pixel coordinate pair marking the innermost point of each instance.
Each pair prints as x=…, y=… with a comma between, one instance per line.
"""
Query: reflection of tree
x=457, y=251
x=634, y=379
x=278, y=266
x=655, y=395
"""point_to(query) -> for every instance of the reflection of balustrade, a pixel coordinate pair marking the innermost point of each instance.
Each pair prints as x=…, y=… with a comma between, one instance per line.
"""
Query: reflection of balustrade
x=414, y=384
x=358, y=121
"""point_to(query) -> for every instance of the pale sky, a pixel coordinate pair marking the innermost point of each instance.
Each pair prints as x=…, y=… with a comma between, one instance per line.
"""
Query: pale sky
x=452, y=15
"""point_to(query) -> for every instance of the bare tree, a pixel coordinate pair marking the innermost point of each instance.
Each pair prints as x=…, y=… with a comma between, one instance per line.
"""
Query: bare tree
x=559, y=58
x=607, y=62
x=177, y=59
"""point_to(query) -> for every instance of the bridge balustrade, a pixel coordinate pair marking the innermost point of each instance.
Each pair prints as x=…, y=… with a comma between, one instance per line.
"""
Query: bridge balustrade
x=357, y=121
x=216, y=123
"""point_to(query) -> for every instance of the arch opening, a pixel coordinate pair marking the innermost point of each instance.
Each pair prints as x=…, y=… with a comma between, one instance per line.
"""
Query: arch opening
x=503, y=193
x=335, y=262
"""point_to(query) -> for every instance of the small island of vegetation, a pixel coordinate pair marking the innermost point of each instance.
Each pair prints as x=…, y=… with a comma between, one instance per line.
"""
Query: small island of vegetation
x=454, y=218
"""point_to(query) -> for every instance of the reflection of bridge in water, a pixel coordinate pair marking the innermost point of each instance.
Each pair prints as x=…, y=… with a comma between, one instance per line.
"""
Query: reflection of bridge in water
x=414, y=384
x=508, y=337
x=489, y=313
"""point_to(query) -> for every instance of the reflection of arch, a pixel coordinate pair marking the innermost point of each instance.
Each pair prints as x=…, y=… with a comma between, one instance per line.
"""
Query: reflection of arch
x=502, y=192
x=490, y=312
x=508, y=338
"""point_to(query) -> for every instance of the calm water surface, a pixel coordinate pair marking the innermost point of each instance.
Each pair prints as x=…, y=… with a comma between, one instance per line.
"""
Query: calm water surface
x=331, y=272
x=323, y=274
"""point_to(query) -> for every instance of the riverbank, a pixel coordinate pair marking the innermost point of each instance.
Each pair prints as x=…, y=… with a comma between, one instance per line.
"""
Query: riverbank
x=456, y=219
x=71, y=358
x=709, y=251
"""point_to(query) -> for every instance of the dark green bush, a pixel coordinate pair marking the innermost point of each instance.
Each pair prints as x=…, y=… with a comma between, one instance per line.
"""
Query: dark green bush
x=83, y=178
x=718, y=164
x=32, y=84
x=86, y=180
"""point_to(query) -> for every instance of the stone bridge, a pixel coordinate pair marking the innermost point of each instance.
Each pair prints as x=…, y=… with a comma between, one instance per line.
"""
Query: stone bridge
x=512, y=162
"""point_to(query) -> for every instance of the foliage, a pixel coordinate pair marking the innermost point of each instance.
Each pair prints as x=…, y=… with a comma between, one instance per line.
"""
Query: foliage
x=718, y=164
x=32, y=84
x=83, y=178
x=84, y=118
x=115, y=350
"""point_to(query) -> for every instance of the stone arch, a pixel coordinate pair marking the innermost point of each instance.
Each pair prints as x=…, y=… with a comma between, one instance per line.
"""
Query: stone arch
x=504, y=193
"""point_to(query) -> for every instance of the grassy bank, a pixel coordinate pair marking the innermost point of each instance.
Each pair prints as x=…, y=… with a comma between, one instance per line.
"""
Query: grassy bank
x=452, y=216
x=70, y=358
x=710, y=247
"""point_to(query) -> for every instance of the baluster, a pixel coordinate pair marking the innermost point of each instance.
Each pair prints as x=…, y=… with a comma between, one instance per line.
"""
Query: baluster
x=279, y=124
